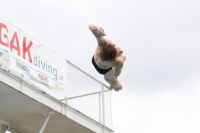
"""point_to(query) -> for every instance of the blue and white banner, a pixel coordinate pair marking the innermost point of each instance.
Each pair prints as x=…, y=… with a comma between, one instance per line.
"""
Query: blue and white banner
x=27, y=56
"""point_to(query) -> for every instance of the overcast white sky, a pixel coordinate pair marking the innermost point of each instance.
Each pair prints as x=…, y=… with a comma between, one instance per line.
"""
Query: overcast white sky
x=160, y=38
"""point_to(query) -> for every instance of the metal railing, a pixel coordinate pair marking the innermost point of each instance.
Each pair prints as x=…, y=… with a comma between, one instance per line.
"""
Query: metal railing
x=101, y=96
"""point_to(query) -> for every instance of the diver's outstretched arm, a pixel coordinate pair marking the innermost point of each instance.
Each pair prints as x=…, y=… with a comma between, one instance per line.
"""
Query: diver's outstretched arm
x=99, y=33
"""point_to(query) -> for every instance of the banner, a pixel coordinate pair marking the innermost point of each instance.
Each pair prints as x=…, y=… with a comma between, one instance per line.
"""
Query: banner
x=25, y=55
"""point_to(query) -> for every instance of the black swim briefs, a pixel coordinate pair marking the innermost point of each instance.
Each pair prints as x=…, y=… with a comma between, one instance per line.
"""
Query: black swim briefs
x=101, y=71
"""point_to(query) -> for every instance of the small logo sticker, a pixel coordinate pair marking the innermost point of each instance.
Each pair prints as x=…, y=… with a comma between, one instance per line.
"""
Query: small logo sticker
x=21, y=66
x=43, y=78
x=58, y=88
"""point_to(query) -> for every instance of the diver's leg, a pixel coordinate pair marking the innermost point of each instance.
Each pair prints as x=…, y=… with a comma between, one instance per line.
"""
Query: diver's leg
x=112, y=80
x=107, y=79
x=117, y=72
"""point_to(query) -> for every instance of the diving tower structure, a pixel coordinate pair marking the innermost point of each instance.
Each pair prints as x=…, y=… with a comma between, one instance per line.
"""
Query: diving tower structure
x=35, y=98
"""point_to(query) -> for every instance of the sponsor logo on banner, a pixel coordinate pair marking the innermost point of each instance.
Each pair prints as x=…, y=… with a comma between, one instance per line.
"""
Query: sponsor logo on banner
x=24, y=54
x=58, y=87
x=43, y=78
x=23, y=67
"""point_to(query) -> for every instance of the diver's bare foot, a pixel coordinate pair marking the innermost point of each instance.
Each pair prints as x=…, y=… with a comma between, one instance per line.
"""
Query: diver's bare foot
x=100, y=31
x=119, y=87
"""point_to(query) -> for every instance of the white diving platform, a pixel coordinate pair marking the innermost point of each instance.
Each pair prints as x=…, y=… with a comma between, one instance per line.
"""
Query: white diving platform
x=24, y=108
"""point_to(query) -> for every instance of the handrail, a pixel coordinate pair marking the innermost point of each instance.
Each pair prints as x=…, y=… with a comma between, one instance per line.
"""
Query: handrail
x=87, y=94
x=86, y=74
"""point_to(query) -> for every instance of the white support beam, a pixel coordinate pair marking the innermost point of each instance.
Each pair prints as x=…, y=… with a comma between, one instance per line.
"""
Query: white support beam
x=45, y=122
x=103, y=110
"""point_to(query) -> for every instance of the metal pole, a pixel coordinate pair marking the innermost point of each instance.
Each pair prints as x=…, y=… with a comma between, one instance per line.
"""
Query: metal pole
x=99, y=107
x=45, y=122
x=66, y=100
x=66, y=103
x=103, y=109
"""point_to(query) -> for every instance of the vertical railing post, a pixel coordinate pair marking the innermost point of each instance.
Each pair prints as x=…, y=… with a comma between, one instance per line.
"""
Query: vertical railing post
x=66, y=104
x=99, y=107
x=103, y=109
x=66, y=100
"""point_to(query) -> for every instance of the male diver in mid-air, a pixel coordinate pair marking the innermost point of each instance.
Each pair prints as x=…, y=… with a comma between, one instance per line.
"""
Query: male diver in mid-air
x=108, y=59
